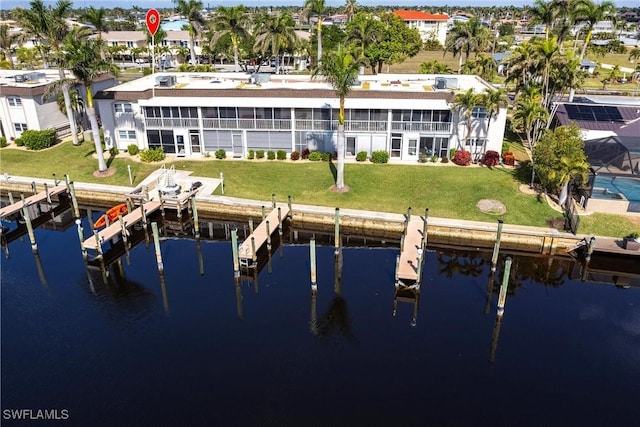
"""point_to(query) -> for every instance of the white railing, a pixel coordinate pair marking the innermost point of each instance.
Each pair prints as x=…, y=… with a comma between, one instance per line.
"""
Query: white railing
x=422, y=126
x=152, y=122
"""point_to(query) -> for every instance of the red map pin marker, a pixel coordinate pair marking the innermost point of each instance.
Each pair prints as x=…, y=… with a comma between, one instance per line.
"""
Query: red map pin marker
x=153, y=21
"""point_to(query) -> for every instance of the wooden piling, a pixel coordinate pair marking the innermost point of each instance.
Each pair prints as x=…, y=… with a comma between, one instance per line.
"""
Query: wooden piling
x=273, y=201
x=194, y=213
x=234, y=251
x=264, y=214
x=253, y=249
x=266, y=223
x=289, y=203
x=496, y=247
x=156, y=243
x=505, y=285
x=98, y=242
x=222, y=183
x=55, y=180
x=81, y=237
x=74, y=201
x=27, y=221
x=337, y=232
x=144, y=214
x=179, y=210
x=280, y=222
x=250, y=225
x=419, y=267
x=124, y=231
x=46, y=192
x=397, y=268
x=33, y=187
x=312, y=259
x=10, y=198
x=590, y=246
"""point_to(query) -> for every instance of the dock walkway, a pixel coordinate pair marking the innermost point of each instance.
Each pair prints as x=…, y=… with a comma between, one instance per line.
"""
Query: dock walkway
x=408, y=266
x=245, y=252
x=36, y=198
x=116, y=228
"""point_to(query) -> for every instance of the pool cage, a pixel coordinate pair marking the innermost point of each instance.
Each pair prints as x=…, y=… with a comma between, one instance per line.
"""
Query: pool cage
x=616, y=155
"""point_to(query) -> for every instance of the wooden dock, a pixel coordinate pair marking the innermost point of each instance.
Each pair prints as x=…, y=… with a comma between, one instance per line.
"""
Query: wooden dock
x=246, y=252
x=115, y=229
x=36, y=198
x=408, y=265
x=607, y=245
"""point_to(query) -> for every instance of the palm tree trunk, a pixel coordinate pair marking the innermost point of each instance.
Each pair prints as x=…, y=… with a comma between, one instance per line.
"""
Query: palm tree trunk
x=340, y=150
x=583, y=51
x=67, y=104
x=460, y=63
x=193, y=50
x=236, y=61
x=95, y=131
x=319, y=40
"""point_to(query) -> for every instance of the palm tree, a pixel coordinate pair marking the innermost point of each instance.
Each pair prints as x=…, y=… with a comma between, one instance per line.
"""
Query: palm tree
x=528, y=118
x=363, y=31
x=466, y=38
x=634, y=55
x=316, y=7
x=276, y=34
x=97, y=18
x=48, y=23
x=86, y=65
x=191, y=9
x=543, y=13
x=27, y=58
x=546, y=52
x=350, y=9
x=341, y=70
x=464, y=103
x=6, y=41
x=493, y=100
x=522, y=65
x=434, y=67
x=231, y=21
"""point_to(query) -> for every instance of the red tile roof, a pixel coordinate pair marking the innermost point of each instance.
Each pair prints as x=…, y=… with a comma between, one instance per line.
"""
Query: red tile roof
x=416, y=15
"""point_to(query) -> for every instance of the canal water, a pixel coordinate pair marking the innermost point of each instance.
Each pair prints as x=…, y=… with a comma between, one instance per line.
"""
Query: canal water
x=195, y=349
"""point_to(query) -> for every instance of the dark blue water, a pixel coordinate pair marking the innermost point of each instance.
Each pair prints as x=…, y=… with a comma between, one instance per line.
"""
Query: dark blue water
x=616, y=184
x=568, y=352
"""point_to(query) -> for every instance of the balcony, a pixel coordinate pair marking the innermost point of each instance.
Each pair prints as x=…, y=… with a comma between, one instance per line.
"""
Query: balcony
x=437, y=127
x=153, y=122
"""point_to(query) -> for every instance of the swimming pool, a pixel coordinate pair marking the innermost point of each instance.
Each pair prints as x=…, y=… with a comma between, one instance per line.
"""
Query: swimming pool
x=629, y=187
x=173, y=25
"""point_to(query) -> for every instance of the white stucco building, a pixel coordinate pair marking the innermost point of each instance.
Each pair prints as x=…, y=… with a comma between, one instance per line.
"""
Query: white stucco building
x=193, y=113
x=429, y=25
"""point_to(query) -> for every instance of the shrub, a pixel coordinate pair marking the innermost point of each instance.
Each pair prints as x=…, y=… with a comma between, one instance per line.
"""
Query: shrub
x=452, y=152
x=361, y=156
x=271, y=155
x=113, y=151
x=295, y=155
x=445, y=160
x=3, y=142
x=380, y=156
x=505, y=147
x=508, y=158
x=260, y=154
x=315, y=156
x=133, y=149
x=19, y=142
x=281, y=155
x=491, y=158
x=146, y=71
x=423, y=158
x=462, y=158
x=434, y=158
x=221, y=154
x=251, y=155
x=152, y=155
x=206, y=154
x=305, y=154
x=38, y=139
x=326, y=157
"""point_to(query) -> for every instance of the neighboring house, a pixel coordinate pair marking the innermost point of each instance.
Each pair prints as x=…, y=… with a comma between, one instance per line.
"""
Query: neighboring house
x=23, y=107
x=430, y=26
x=137, y=39
x=196, y=113
x=588, y=66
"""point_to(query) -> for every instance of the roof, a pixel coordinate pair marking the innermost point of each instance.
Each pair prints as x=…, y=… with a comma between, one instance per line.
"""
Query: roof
x=619, y=119
x=416, y=15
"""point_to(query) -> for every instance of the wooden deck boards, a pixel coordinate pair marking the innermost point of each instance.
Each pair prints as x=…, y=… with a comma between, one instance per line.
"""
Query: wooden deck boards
x=260, y=233
x=115, y=229
x=408, y=267
x=612, y=246
x=36, y=198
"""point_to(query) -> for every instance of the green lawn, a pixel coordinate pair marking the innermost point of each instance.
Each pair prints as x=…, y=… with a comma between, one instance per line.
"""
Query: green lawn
x=448, y=191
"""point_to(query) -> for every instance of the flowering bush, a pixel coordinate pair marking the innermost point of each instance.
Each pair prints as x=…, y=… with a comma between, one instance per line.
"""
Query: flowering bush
x=491, y=158
x=462, y=158
x=508, y=158
x=295, y=155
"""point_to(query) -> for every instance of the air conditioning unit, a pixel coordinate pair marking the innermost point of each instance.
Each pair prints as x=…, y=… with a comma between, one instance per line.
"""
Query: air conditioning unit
x=441, y=83
x=20, y=78
x=165, y=81
x=34, y=76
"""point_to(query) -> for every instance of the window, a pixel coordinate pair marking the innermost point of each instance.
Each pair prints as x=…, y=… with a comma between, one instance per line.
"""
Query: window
x=14, y=101
x=122, y=107
x=127, y=134
x=479, y=113
x=161, y=138
x=130, y=44
x=20, y=127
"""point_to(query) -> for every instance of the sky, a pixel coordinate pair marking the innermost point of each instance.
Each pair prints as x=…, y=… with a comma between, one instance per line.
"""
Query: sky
x=144, y=4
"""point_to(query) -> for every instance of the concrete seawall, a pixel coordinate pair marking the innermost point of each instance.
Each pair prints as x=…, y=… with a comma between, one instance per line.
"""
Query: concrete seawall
x=546, y=241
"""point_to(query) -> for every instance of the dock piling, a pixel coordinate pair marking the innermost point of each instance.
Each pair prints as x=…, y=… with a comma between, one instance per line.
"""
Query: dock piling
x=156, y=243
x=264, y=215
x=234, y=250
x=337, y=232
x=496, y=247
x=253, y=249
x=397, y=268
x=289, y=203
x=222, y=183
x=280, y=222
x=74, y=201
x=55, y=180
x=312, y=259
x=81, y=237
x=268, y=235
x=33, y=187
x=505, y=285
x=273, y=201
x=194, y=213
x=250, y=225
x=590, y=246
x=10, y=198
x=27, y=220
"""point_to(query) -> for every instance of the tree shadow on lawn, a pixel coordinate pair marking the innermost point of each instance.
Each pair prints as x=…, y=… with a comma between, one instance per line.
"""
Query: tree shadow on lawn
x=334, y=171
x=522, y=173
